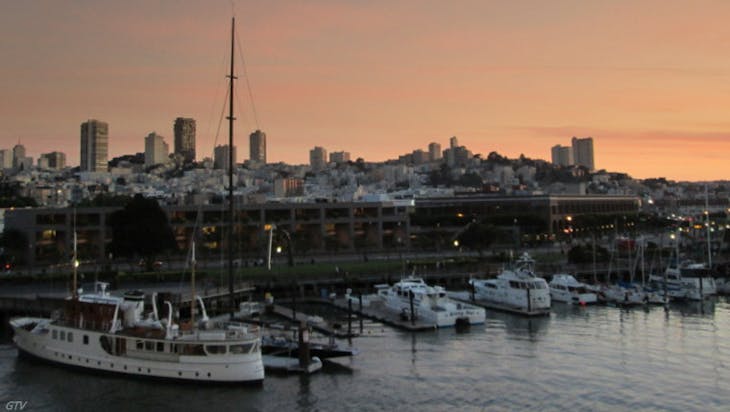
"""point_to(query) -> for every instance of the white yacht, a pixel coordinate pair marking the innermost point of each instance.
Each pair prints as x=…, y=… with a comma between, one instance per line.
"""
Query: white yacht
x=517, y=289
x=101, y=332
x=624, y=294
x=430, y=304
x=687, y=280
x=565, y=288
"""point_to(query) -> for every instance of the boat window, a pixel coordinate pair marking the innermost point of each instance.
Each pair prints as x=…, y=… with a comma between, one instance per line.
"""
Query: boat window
x=140, y=345
x=192, y=350
x=70, y=337
x=489, y=285
x=215, y=349
x=160, y=346
x=54, y=333
x=86, y=339
x=240, y=349
x=63, y=335
x=148, y=345
x=105, y=344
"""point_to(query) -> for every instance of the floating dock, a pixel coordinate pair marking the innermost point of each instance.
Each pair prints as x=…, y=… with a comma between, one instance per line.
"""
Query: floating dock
x=376, y=310
x=466, y=298
x=298, y=316
x=290, y=365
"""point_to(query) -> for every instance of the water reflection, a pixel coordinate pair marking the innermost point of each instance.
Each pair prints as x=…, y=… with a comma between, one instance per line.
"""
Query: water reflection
x=518, y=326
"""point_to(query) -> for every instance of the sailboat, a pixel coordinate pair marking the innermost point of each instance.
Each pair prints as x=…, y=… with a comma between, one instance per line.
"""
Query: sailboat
x=102, y=332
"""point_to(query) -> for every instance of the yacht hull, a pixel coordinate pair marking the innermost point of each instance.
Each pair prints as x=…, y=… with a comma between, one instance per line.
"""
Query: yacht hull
x=84, y=351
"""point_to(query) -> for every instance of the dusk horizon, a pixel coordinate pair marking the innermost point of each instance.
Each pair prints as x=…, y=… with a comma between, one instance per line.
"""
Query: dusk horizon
x=379, y=80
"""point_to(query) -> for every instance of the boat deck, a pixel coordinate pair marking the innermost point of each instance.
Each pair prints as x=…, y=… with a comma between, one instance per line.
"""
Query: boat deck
x=376, y=310
x=464, y=297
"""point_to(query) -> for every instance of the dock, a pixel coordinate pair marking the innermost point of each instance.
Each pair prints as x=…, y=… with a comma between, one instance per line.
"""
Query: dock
x=298, y=316
x=290, y=365
x=376, y=310
x=464, y=297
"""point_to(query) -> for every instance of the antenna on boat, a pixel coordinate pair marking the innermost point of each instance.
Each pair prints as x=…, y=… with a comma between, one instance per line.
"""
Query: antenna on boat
x=192, y=281
x=707, y=220
x=230, y=171
x=75, y=262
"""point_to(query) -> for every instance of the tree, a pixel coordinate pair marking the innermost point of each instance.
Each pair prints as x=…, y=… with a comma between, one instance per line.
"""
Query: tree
x=141, y=229
x=14, y=246
x=478, y=236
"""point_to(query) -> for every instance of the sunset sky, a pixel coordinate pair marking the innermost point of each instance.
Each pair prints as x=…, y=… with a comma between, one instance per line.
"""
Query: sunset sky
x=648, y=80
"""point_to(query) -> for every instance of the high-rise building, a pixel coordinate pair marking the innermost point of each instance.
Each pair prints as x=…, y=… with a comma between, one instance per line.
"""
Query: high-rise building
x=185, y=138
x=318, y=158
x=156, y=150
x=453, y=142
x=434, y=152
x=6, y=159
x=339, y=157
x=221, y=157
x=562, y=155
x=20, y=160
x=94, y=146
x=288, y=187
x=583, y=152
x=457, y=156
x=257, y=146
x=52, y=161
x=419, y=157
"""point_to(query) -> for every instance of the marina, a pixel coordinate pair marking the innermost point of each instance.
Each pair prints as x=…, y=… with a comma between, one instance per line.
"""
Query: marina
x=627, y=358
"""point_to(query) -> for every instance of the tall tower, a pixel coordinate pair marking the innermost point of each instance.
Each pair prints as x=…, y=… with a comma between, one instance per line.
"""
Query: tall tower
x=185, y=138
x=583, y=152
x=257, y=146
x=6, y=159
x=562, y=155
x=221, y=156
x=453, y=142
x=18, y=155
x=94, y=146
x=155, y=149
x=318, y=158
x=434, y=152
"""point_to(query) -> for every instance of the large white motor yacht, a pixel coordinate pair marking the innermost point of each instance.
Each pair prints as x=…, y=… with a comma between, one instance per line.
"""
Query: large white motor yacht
x=430, y=304
x=101, y=332
x=565, y=288
x=516, y=289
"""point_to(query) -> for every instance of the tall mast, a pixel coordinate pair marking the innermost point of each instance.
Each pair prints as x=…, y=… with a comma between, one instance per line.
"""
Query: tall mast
x=230, y=172
x=707, y=222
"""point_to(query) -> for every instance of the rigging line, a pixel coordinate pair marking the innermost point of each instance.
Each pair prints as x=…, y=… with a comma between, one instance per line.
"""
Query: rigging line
x=219, y=69
x=243, y=116
x=220, y=122
x=189, y=255
x=248, y=84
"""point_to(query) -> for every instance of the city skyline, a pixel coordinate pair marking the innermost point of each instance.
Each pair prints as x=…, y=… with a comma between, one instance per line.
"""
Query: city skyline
x=380, y=79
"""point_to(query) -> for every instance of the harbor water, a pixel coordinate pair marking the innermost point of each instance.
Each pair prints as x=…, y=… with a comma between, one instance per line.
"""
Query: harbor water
x=578, y=358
